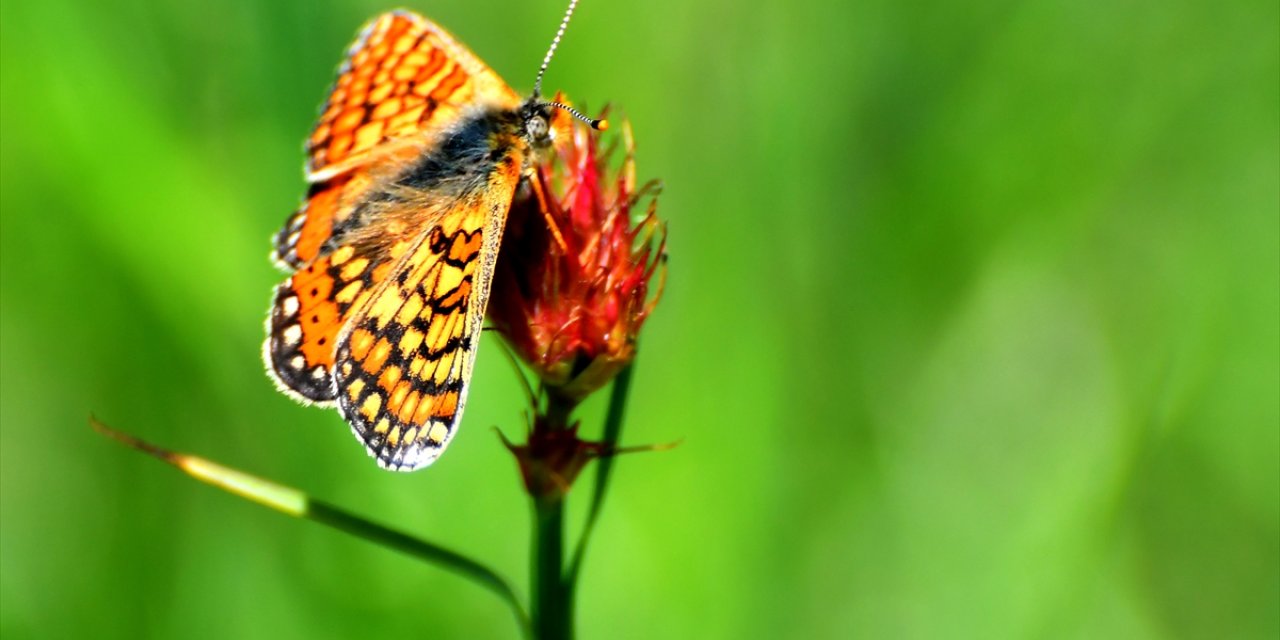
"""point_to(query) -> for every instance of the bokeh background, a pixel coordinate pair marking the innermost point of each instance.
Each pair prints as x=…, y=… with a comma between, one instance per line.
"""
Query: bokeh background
x=972, y=328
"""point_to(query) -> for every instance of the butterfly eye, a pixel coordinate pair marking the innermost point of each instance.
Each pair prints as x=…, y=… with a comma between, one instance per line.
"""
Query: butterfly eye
x=536, y=127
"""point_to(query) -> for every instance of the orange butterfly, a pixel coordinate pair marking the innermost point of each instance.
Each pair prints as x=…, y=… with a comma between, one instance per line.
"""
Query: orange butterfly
x=412, y=169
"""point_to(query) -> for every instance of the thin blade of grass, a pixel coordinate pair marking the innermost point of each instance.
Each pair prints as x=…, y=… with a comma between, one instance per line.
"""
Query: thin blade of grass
x=295, y=503
x=612, y=432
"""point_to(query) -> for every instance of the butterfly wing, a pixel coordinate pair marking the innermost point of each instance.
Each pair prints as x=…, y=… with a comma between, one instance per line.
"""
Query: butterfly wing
x=311, y=307
x=403, y=75
x=403, y=362
x=327, y=205
x=403, y=82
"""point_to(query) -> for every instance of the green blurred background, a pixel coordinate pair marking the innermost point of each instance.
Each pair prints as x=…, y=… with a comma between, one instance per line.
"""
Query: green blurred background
x=972, y=330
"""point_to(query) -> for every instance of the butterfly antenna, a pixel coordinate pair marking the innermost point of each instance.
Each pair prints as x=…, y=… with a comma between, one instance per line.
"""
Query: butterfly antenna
x=555, y=42
x=597, y=124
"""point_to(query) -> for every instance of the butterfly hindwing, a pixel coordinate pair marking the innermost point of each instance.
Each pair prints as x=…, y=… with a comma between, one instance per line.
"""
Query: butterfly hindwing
x=305, y=232
x=311, y=308
x=403, y=362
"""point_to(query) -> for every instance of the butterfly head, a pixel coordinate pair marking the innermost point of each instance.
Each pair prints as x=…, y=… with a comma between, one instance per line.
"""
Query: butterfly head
x=535, y=119
x=535, y=116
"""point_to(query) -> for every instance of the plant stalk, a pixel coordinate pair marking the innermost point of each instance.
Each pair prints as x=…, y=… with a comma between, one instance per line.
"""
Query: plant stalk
x=551, y=614
x=550, y=606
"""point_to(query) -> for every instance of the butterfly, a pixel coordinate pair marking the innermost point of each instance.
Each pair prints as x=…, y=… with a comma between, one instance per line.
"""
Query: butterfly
x=411, y=169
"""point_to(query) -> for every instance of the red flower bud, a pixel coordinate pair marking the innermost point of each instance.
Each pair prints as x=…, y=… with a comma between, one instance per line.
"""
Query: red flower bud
x=571, y=287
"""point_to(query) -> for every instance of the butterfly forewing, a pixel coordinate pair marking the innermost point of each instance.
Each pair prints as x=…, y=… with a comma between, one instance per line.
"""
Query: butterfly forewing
x=403, y=81
x=404, y=75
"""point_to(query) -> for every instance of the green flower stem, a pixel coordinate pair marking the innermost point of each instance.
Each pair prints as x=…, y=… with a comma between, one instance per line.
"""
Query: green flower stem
x=554, y=582
x=552, y=617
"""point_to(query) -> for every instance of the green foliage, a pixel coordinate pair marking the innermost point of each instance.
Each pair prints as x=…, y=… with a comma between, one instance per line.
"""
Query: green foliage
x=972, y=326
